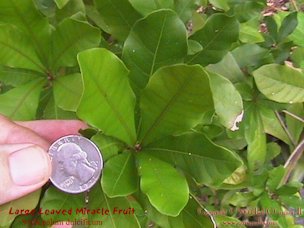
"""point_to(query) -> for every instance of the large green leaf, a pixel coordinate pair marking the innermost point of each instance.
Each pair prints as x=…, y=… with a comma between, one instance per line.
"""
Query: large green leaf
x=165, y=187
x=148, y=6
x=280, y=83
x=108, y=101
x=21, y=102
x=174, y=100
x=229, y=107
x=255, y=137
x=119, y=176
x=65, y=204
x=28, y=202
x=24, y=15
x=216, y=37
x=194, y=153
x=158, y=40
x=118, y=17
x=99, y=201
x=70, y=37
x=17, y=50
x=67, y=91
x=298, y=33
x=17, y=76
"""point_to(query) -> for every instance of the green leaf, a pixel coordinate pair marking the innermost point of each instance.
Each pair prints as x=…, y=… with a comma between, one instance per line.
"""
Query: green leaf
x=251, y=55
x=195, y=154
x=24, y=15
x=216, y=37
x=70, y=37
x=280, y=83
x=52, y=111
x=298, y=33
x=21, y=102
x=275, y=177
x=118, y=16
x=229, y=107
x=289, y=24
x=119, y=176
x=249, y=31
x=113, y=205
x=297, y=57
x=108, y=146
x=148, y=6
x=193, y=215
x=173, y=101
x=67, y=91
x=64, y=203
x=17, y=50
x=233, y=72
x=165, y=187
x=185, y=8
x=28, y=202
x=108, y=101
x=256, y=138
x=158, y=40
x=61, y=3
x=17, y=76
x=295, y=126
x=271, y=124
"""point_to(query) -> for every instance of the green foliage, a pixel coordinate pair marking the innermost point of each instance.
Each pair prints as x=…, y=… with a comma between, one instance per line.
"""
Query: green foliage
x=196, y=106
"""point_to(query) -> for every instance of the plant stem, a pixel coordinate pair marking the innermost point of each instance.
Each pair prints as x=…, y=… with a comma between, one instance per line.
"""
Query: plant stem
x=294, y=116
x=285, y=128
x=292, y=161
x=294, y=3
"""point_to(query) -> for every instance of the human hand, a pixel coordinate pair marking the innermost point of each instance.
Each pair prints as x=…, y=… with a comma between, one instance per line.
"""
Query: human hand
x=24, y=163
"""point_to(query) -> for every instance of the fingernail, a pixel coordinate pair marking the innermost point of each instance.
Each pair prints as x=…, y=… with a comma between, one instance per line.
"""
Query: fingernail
x=29, y=166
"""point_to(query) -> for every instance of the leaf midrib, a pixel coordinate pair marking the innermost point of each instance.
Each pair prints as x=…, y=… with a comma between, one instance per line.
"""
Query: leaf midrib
x=187, y=154
x=24, y=21
x=158, y=44
x=112, y=106
x=121, y=172
x=166, y=109
x=24, y=55
x=18, y=105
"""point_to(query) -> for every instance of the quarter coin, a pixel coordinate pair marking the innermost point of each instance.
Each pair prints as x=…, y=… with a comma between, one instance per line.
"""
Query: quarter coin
x=76, y=163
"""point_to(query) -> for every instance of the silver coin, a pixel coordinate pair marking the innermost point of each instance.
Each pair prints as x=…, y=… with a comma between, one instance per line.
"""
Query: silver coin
x=76, y=163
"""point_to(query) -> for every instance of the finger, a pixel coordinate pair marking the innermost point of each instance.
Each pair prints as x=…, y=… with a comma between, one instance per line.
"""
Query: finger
x=12, y=133
x=24, y=168
x=51, y=130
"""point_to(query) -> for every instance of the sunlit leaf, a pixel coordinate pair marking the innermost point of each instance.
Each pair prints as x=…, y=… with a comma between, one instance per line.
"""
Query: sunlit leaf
x=104, y=74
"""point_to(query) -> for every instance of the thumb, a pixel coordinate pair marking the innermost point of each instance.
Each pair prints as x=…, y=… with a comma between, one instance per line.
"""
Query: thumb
x=24, y=168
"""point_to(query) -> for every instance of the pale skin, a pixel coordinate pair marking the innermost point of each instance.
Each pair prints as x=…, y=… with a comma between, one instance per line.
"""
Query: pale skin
x=24, y=163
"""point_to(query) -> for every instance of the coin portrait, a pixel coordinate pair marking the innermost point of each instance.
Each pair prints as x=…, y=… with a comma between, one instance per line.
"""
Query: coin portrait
x=76, y=164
